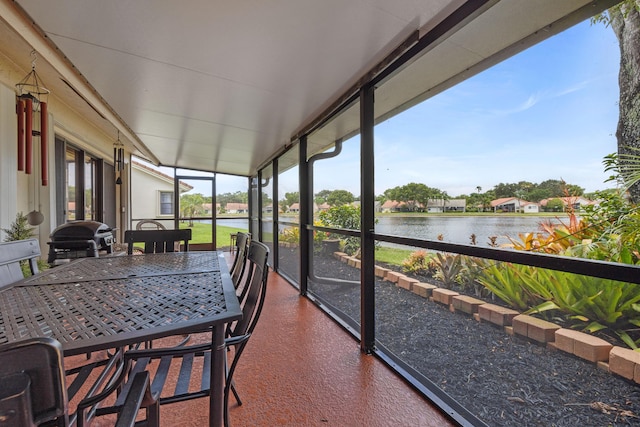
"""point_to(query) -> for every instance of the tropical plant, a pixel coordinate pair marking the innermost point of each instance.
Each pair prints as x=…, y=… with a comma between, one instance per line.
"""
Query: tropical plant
x=417, y=263
x=595, y=303
x=447, y=266
x=290, y=235
x=513, y=284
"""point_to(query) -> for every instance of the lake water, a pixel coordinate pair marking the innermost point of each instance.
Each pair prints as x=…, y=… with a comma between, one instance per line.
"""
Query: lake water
x=454, y=229
x=458, y=229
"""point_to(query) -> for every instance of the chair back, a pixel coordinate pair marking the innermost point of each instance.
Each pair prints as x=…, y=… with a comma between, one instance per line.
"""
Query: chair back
x=157, y=241
x=11, y=256
x=254, y=289
x=32, y=383
x=149, y=224
x=240, y=261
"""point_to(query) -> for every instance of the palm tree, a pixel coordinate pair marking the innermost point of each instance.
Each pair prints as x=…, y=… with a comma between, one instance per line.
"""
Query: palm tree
x=191, y=205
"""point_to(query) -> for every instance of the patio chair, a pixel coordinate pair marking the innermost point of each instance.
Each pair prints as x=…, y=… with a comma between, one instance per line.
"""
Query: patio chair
x=11, y=256
x=149, y=224
x=240, y=332
x=240, y=260
x=33, y=393
x=157, y=241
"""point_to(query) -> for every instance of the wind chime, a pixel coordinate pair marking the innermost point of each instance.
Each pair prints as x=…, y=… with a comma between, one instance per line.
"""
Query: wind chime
x=32, y=102
x=118, y=158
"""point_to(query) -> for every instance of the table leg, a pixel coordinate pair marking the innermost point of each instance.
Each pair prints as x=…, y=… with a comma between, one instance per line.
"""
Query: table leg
x=216, y=398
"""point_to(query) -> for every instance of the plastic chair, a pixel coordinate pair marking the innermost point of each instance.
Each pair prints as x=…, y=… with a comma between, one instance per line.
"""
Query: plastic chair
x=157, y=241
x=238, y=336
x=33, y=393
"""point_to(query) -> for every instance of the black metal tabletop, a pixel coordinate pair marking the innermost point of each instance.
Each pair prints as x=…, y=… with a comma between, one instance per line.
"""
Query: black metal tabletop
x=99, y=303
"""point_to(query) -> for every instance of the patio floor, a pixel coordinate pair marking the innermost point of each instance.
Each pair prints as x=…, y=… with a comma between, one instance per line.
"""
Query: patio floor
x=301, y=369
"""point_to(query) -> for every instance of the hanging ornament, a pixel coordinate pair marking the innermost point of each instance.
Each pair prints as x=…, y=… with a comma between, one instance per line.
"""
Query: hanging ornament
x=32, y=97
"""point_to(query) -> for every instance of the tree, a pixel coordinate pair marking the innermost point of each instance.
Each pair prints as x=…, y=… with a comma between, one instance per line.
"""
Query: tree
x=321, y=196
x=624, y=19
x=505, y=190
x=191, y=205
x=415, y=195
x=555, y=205
x=289, y=199
x=339, y=198
x=237, y=197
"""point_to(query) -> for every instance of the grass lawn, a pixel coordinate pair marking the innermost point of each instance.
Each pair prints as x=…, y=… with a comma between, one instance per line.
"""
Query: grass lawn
x=392, y=255
x=201, y=233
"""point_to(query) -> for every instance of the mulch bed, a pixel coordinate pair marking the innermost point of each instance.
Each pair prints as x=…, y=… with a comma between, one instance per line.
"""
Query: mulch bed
x=504, y=380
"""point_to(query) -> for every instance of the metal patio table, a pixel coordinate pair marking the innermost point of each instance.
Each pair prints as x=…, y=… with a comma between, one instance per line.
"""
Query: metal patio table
x=93, y=304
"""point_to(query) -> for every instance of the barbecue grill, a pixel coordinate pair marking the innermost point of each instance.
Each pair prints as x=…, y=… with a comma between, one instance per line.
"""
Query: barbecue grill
x=79, y=239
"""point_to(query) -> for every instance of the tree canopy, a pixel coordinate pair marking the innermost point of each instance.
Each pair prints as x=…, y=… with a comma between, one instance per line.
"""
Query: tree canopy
x=415, y=195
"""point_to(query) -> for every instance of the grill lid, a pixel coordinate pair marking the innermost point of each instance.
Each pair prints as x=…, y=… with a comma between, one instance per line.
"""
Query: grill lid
x=80, y=230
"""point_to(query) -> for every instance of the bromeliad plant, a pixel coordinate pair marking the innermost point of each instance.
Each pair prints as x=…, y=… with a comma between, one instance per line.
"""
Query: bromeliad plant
x=448, y=267
x=590, y=303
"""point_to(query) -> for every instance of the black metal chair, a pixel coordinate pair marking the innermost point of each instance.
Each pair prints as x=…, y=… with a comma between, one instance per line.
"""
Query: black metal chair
x=12, y=254
x=157, y=241
x=240, y=260
x=33, y=393
x=238, y=336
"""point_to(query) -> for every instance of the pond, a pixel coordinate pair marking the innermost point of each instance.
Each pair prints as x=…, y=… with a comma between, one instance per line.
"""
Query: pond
x=458, y=229
x=453, y=228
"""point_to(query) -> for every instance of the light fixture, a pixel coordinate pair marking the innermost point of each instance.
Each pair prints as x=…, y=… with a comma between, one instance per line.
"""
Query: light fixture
x=32, y=98
x=118, y=158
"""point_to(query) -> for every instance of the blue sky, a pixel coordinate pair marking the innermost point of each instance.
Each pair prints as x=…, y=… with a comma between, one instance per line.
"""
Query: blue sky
x=548, y=113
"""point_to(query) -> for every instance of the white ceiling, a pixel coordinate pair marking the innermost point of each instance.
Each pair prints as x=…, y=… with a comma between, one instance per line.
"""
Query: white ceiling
x=224, y=85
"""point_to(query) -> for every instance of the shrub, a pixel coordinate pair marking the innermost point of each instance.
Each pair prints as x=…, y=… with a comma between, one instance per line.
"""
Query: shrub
x=345, y=217
x=417, y=263
x=448, y=267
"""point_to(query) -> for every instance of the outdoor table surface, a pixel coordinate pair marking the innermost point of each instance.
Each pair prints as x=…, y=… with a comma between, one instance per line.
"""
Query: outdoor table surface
x=93, y=304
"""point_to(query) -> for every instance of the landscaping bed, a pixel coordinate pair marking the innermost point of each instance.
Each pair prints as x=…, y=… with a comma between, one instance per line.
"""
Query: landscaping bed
x=505, y=380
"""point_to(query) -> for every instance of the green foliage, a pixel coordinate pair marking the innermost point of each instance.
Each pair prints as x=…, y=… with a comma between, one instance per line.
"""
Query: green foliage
x=191, y=205
x=290, y=235
x=237, y=197
x=201, y=233
x=448, y=267
x=392, y=256
x=339, y=198
x=535, y=192
x=512, y=284
x=289, y=199
x=345, y=217
x=19, y=229
x=417, y=262
x=555, y=205
x=415, y=195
